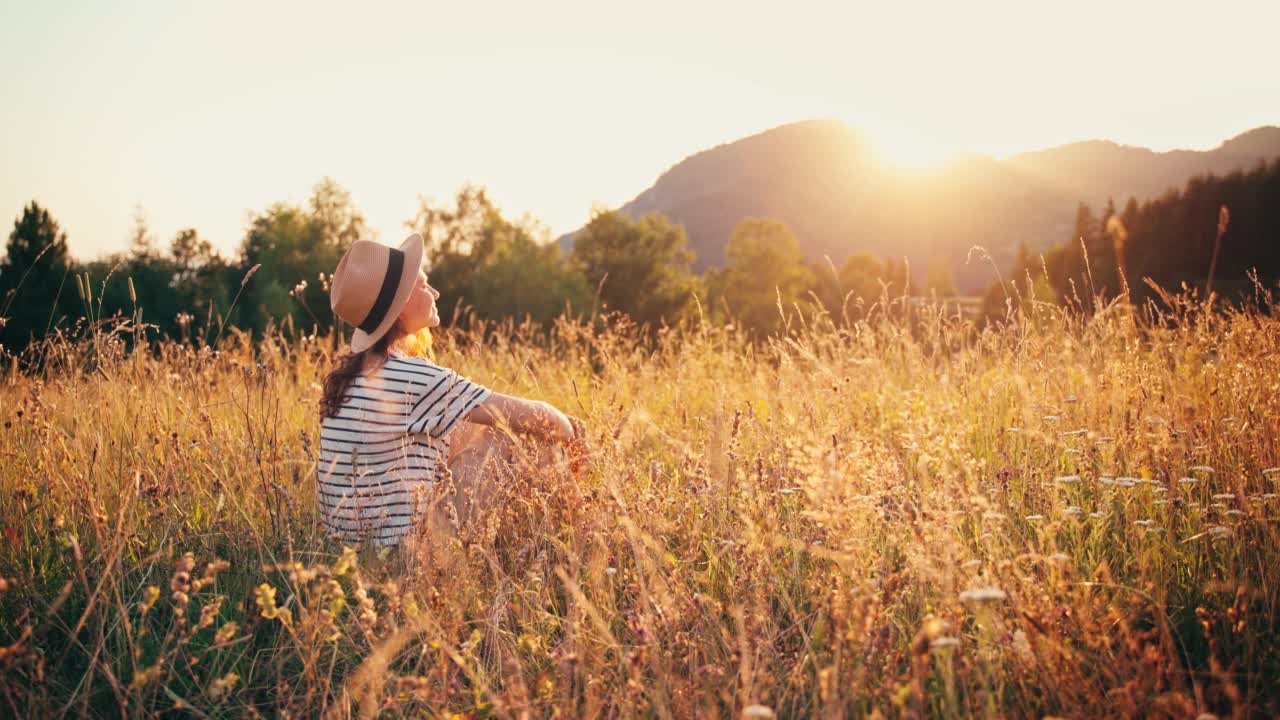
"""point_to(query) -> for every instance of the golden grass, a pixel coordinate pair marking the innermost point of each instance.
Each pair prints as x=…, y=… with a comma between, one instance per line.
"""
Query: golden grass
x=1067, y=516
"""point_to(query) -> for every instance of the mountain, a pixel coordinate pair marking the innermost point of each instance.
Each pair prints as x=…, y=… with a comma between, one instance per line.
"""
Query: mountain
x=828, y=184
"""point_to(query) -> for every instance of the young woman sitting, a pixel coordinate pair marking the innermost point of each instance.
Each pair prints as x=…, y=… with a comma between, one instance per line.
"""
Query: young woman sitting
x=398, y=431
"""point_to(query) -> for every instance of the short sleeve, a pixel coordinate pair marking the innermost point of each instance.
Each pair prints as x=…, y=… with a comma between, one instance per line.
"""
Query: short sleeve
x=438, y=405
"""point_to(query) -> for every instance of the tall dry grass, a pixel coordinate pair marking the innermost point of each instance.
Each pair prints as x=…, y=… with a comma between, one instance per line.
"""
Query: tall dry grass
x=1067, y=515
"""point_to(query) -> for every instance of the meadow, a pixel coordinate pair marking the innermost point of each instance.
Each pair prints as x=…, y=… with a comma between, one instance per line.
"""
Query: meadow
x=1070, y=514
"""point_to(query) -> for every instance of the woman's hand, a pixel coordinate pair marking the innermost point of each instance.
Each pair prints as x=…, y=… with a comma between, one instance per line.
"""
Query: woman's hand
x=560, y=429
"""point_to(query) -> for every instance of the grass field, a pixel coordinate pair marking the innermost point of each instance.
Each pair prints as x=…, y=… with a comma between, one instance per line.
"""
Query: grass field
x=1071, y=516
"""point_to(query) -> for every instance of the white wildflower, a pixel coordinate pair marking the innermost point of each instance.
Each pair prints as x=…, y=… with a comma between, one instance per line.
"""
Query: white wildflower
x=987, y=594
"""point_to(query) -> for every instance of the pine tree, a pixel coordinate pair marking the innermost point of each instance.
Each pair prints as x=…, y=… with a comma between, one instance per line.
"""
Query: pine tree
x=35, y=267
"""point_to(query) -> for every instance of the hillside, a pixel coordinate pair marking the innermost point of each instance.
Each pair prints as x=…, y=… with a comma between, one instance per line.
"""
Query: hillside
x=826, y=182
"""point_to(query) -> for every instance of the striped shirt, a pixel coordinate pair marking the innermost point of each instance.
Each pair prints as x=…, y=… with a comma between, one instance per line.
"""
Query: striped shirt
x=386, y=447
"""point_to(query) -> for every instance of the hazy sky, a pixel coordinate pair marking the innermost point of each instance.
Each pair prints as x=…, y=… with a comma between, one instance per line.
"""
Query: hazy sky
x=204, y=112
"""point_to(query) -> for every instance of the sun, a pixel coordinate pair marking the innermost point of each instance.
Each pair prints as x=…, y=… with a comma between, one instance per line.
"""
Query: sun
x=910, y=148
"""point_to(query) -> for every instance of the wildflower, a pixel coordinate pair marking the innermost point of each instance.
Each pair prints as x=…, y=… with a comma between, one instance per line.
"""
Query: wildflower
x=1224, y=496
x=992, y=515
x=1144, y=523
x=265, y=597
x=1267, y=472
x=180, y=583
x=413, y=685
x=611, y=571
x=987, y=594
x=1050, y=418
x=1188, y=481
x=1161, y=502
x=1013, y=430
x=1060, y=557
x=1097, y=515
x=1126, y=481
x=225, y=633
x=366, y=614
x=1067, y=479
x=943, y=642
x=757, y=712
x=1072, y=433
x=970, y=564
x=1071, y=452
x=145, y=677
x=223, y=685
x=1072, y=510
x=1218, y=531
x=1034, y=518
x=1201, y=468
x=149, y=596
x=345, y=562
x=1235, y=513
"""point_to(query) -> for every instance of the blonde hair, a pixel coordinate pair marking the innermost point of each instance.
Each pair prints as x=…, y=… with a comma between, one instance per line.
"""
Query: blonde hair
x=418, y=344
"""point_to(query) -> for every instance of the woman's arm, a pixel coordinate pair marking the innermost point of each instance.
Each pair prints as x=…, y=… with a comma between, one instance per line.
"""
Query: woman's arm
x=524, y=416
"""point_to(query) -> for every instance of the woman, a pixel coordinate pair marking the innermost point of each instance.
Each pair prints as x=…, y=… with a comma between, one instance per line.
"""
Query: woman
x=395, y=427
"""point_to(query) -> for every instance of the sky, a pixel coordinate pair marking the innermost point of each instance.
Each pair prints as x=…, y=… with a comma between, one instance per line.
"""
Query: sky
x=201, y=113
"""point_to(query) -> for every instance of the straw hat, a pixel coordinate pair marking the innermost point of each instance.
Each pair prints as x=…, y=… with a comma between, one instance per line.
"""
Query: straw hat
x=371, y=286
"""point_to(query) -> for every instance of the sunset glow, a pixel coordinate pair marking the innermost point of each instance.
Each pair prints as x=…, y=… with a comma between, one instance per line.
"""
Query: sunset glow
x=201, y=115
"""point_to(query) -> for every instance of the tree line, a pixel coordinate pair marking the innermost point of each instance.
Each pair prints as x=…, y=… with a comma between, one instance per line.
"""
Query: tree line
x=490, y=267
x=1208, y=236
x=485, y=266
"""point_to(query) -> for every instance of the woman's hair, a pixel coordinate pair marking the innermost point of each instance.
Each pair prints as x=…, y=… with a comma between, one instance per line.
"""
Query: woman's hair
x=349, y=365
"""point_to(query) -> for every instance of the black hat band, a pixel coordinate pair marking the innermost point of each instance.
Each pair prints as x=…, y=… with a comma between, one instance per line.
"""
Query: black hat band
x=390, y=283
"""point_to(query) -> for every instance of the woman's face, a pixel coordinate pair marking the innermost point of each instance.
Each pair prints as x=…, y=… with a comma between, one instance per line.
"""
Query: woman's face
x=420, y=311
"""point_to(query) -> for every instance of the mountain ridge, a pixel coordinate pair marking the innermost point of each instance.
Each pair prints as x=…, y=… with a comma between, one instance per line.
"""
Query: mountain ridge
x=827, y=182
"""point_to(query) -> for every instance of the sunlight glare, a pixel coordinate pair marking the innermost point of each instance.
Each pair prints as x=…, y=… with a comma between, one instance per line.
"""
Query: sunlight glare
x=911, y=148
